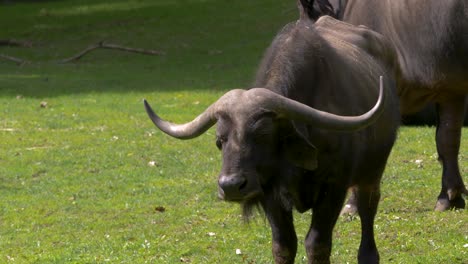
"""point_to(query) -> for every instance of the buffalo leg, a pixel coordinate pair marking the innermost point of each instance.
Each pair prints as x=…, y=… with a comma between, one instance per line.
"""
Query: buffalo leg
x=350, y=207
x=325, y=214
x=284, y=244
x=367, y=202
x=448, y=135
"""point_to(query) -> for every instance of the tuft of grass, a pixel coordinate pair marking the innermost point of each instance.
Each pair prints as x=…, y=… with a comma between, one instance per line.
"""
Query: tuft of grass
x=86, y=178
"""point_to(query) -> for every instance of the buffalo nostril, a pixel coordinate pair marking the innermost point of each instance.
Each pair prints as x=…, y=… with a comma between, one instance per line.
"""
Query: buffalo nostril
x=243, y=185
x=232, y=186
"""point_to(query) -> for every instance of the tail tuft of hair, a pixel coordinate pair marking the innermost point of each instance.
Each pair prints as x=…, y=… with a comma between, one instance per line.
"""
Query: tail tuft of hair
x=314, y=9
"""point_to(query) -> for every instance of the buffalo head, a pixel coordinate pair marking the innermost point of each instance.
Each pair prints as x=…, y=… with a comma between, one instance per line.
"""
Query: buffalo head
x=256, y=133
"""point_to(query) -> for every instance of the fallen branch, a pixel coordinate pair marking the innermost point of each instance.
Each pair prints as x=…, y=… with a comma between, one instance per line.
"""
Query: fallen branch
x=78, y=56
x=13, y=59
x=15, y=43
x=110, y=46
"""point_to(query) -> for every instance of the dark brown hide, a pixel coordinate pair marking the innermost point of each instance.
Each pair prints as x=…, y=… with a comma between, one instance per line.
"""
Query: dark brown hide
x=428, y=116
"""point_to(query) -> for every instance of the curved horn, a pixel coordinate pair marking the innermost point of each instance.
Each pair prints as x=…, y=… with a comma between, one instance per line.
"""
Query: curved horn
x=184, y=131
x=294, y=110
x=263, y=98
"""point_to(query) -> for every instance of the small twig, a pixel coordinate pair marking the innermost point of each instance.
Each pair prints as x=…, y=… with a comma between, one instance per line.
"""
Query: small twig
x=110, y=46
x=143, y=51
x=81, y=54
x=10, y=58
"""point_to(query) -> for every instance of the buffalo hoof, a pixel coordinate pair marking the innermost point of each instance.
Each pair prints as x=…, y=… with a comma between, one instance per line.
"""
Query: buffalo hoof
x=443, y=204
x=349, y=209
x=370, y=258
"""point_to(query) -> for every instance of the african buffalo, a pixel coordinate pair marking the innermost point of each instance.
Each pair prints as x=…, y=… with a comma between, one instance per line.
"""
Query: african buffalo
x=307, y=134
x=431, y=40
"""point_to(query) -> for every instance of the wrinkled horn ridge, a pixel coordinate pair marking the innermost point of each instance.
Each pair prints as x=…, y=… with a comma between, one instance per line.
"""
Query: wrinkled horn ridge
x=183, y=131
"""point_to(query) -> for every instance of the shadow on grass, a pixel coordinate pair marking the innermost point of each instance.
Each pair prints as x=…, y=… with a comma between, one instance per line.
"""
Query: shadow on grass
x=38, y=81
x=210, y=45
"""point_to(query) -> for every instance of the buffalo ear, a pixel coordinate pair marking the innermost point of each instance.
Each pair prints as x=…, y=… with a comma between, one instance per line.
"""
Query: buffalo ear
x=298, y=149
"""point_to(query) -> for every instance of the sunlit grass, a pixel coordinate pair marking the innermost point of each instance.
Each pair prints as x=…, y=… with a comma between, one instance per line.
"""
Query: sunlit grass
x=90, y=179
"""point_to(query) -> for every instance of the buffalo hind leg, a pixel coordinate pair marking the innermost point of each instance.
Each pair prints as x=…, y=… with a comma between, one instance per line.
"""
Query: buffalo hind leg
x=367, y=198
x=284, y=239
x=350, y=208
x=450, y=120
x=318, y=241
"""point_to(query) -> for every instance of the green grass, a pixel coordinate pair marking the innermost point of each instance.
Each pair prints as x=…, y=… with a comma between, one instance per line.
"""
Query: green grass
x=75, y=181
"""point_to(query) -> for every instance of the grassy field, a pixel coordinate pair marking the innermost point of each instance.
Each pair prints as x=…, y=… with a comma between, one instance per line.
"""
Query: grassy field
x=86, y=178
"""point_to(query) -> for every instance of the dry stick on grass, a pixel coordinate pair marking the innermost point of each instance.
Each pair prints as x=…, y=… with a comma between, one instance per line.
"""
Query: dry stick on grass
x=13, y=59
x=79, y=55
x=110, y=46
x=14, y=43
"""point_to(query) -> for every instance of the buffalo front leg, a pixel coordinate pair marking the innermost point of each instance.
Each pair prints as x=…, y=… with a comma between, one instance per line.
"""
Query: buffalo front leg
x=284, y=239
x=448, y=135
x=318, y=242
